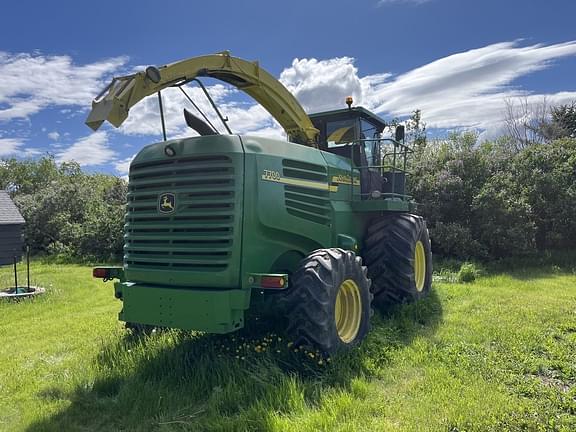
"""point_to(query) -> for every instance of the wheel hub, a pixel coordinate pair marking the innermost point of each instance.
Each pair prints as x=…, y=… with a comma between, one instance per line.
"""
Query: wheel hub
x=419, y=266
x=348, y=311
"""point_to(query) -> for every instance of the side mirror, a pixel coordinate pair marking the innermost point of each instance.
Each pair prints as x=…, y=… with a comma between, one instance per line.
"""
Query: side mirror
x=399, y=133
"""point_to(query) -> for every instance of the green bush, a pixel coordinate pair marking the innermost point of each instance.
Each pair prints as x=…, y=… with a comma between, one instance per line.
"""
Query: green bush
x=467, y=273
x=546, y=179
x=503, y=220
x=454, y=240
x=484, y=201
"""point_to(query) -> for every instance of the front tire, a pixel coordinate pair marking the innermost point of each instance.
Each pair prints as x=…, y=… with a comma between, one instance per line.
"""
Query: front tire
x=399, y=258
x=330, y=301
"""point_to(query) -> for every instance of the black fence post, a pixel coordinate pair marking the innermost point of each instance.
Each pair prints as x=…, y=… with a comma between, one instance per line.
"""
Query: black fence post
x=28, y=267
x=15, y=277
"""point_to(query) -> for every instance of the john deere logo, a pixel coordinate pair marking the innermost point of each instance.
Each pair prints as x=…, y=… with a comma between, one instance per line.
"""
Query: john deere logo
x=166, y=203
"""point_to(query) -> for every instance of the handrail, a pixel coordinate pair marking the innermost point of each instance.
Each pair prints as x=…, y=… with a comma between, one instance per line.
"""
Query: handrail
x=403, y=151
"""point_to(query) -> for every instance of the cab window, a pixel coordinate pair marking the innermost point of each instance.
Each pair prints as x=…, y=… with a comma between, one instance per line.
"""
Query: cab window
x=371, y=145
x=341, y=132
x=368, y=130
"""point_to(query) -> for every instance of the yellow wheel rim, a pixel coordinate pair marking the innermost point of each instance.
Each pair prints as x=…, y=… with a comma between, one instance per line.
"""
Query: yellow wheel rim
x=419, y=266
x=348, y=311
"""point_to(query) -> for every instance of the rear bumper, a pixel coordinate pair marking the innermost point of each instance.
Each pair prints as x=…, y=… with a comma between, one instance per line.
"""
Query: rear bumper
x=208, y=310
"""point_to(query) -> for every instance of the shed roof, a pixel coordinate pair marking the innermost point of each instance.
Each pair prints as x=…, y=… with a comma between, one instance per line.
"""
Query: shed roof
x=9, y=214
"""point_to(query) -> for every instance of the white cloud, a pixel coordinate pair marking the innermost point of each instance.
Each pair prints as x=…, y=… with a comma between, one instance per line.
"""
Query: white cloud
x=415, y=2
x=250, y=120
x=463, y=90
x=9, y=146
x=144, y=118
x=467, y=89
x=123, y=166
x=14, y=147
x=323, y=84
x=32, y=82
x=88, y=151
x=54, y=136
x=270, y=132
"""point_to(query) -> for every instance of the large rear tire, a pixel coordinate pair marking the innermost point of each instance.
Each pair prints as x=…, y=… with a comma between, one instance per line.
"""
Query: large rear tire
x=399, y=258
x=329, y=303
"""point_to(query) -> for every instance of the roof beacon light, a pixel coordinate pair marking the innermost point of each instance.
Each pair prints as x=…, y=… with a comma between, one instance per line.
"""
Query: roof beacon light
x=349, y=101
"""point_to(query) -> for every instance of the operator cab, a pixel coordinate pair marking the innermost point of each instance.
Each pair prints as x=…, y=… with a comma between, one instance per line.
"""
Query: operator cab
x=356, y=133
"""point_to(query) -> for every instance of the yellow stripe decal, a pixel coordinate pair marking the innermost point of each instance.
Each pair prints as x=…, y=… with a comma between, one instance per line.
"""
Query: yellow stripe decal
x=345, y=179
x=268, y=176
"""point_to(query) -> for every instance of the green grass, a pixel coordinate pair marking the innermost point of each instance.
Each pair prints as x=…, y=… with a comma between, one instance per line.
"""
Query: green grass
x=498, y=354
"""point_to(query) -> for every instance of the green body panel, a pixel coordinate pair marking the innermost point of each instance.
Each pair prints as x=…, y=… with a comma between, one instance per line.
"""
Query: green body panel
x=220, y=311
x=343, y=219
x=242, y=206
x=282, y=219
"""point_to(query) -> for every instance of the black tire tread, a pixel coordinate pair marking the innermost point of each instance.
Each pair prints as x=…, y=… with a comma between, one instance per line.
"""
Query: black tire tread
x=310, y=302
x=388, y=252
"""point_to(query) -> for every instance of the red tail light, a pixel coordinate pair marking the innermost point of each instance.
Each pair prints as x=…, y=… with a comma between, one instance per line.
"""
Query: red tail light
x=272, y=282
x=100, y=273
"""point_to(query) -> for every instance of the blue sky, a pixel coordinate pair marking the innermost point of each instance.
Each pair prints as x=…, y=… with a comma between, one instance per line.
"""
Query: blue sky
x=457, y=60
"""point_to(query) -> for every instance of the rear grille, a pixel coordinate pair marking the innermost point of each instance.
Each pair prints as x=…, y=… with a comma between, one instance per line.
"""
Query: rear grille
x=198, y=235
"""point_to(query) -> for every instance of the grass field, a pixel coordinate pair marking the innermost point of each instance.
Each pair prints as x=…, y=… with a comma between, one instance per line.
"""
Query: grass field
x=498, y=354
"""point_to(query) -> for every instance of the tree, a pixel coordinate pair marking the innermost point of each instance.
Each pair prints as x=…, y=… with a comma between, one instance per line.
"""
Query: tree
x=525, y=121
x=416, y=129
x=68, y=212
x=28, y=176
x=530, y=123
x=564, y=117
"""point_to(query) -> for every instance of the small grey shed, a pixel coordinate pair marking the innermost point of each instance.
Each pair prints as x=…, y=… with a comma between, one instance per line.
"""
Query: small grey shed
x=11, y=225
